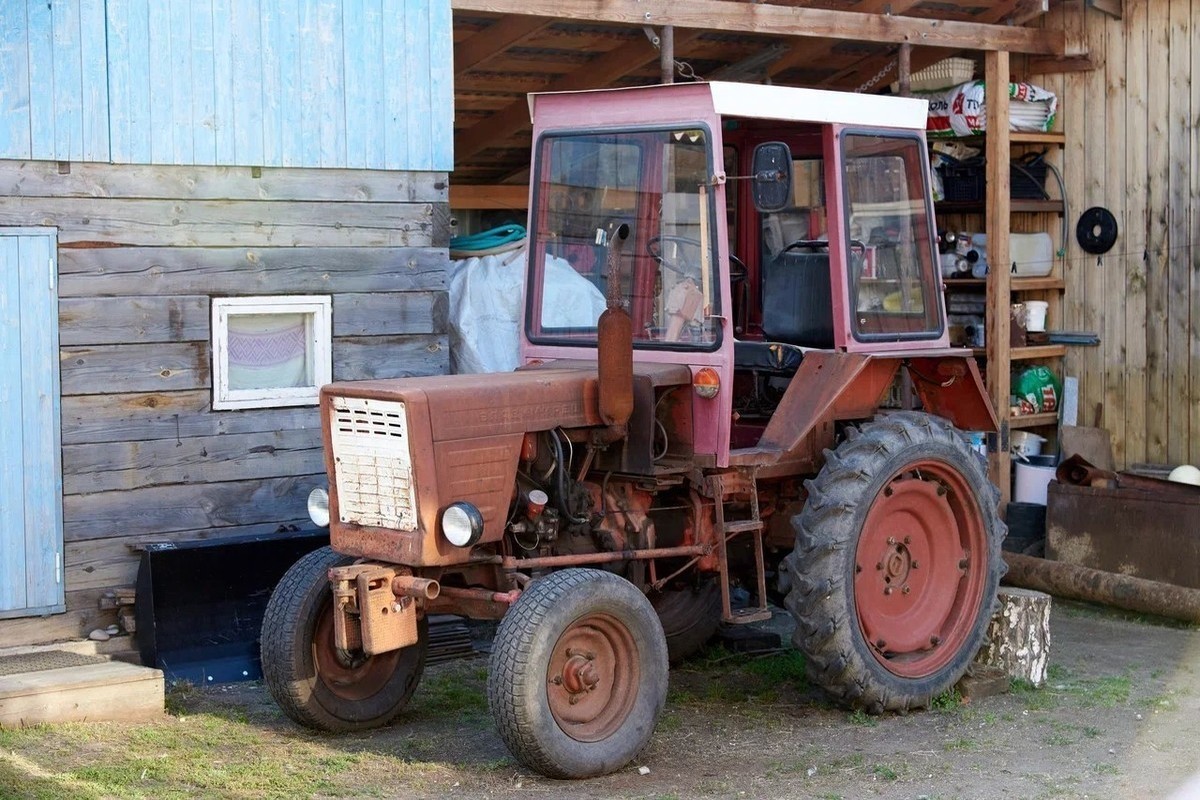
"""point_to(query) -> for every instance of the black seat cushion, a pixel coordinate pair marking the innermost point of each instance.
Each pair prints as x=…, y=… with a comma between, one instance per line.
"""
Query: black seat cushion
x=798, y=300
x=774, y=358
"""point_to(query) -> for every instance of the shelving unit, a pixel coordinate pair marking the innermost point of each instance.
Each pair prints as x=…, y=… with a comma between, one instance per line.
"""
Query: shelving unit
x=999, y=214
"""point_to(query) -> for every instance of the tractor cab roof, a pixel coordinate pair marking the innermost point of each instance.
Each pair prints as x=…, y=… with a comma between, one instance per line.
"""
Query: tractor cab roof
x=669, y=102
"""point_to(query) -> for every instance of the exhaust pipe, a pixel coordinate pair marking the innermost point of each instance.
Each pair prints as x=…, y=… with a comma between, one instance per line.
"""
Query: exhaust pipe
x=614, y=345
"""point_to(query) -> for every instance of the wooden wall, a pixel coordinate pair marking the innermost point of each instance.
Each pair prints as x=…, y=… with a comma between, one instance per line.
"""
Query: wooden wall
x=294, y=83
x=1133, y=145
x=141, y=252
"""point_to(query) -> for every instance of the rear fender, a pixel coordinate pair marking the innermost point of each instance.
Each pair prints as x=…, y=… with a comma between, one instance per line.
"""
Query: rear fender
x=951, y=387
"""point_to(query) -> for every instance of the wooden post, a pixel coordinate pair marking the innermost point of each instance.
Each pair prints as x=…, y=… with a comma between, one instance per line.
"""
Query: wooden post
x=999, y=286
x=1018, y=640
x=666, y=53
x=904, y=68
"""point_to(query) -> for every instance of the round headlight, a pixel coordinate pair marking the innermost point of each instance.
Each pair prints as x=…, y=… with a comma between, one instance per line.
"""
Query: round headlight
x=462, y=524
x=318, y=507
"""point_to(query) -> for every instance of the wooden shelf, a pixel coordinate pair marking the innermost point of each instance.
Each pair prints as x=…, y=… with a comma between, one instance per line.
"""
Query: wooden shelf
x=1018, y=206
x=1029, y=353
x=1033, y=420
x=1057, y=138
x=1047, y=284
x=1018, y=284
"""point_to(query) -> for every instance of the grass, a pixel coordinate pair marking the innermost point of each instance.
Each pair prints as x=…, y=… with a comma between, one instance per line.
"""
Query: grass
x=720, y=676
x=948, y=700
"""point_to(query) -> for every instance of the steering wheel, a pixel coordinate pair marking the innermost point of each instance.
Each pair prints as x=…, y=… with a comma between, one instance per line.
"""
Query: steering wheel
x=857, y=247
x=737, y=269
x=682, y=265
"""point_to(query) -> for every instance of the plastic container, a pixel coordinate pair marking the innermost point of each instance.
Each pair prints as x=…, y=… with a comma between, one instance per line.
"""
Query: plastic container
x=944, y=73
x=1032, y=254
x=1032, y=478
x=1035, y=315
x=1025, y=444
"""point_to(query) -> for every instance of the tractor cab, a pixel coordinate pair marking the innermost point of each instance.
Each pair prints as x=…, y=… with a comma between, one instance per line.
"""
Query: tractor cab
x=759, y=223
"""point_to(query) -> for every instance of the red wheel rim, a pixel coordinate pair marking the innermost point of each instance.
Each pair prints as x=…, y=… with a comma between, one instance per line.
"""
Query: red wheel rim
x=593, y=677
x=920, y=568
x=349, y=675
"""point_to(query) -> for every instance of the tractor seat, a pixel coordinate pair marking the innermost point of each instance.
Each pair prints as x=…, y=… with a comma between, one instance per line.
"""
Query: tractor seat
x=770, y=358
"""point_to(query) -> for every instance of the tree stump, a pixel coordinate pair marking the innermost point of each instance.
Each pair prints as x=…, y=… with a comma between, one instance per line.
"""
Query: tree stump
x=1018, y=636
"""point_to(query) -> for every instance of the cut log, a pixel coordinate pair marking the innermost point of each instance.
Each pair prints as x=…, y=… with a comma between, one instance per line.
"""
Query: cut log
x=1107, y=588
x=1018, y=640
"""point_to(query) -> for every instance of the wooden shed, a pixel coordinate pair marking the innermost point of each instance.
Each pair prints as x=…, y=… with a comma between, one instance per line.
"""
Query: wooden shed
x=1125, y=139
x=207, y=208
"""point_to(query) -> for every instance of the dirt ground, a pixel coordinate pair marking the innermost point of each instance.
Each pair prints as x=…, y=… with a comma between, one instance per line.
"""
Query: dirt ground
x=1120, y=718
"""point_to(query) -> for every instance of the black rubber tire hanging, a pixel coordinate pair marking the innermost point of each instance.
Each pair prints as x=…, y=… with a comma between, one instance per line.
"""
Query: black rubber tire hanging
x=1096, y=231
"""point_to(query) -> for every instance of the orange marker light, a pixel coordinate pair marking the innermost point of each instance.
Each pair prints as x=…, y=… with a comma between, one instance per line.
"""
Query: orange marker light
x=707, y=383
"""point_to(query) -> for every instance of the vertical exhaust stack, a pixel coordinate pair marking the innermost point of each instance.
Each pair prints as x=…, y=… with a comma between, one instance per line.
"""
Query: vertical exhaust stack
x=614, y=345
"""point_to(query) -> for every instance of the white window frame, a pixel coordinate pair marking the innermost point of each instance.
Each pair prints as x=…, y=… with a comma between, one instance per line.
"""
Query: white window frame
x=320, y=340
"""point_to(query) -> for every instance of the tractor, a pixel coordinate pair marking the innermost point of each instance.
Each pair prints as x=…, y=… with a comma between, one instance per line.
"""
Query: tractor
x=736, y=387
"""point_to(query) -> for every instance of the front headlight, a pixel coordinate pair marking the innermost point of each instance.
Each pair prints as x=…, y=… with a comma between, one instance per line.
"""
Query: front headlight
x=462, y=524
x=318, y=507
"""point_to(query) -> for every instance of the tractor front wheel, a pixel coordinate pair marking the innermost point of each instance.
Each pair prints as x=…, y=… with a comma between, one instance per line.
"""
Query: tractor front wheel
x=317, y=684
x=578, y=674
x=897, y=563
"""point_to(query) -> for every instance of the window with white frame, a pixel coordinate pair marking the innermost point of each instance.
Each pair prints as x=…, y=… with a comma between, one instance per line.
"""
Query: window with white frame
x=270, y=351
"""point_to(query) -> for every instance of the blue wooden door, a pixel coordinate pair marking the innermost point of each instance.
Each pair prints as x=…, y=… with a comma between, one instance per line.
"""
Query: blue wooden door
x=31, y=573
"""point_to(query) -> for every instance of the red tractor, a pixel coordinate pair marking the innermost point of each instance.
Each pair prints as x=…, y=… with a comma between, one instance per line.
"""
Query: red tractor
x=736, y=375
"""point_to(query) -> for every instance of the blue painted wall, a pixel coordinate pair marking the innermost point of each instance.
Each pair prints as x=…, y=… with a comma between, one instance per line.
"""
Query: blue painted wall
x=280, y=83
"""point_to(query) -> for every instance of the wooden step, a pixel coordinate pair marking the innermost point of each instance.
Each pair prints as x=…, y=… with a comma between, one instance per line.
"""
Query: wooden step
x=743, y=525
x=746, y=616
x=110, y=691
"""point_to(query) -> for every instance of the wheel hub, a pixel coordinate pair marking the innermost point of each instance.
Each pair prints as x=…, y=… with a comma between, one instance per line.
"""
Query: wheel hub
x=592, y=677
x=579, y=674
x=351, y=675
x=919, y=569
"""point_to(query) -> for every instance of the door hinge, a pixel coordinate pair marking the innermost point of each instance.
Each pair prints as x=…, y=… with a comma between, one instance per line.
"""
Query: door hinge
x=58, y=567
x=53, y=274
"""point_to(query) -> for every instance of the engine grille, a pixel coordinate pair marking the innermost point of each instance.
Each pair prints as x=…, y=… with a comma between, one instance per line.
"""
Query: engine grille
x=372, y=463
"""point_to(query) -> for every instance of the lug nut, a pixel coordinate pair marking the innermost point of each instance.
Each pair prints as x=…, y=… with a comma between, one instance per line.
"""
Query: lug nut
x=915, y=564
x=891, y=540
x=935, y=640
x=906, y=589
x=888, y=590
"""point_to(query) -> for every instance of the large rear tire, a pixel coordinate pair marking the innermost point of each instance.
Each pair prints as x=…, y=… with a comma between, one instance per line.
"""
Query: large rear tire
x=897, y=563
x=690, y=616
x=315, y=683
x=578, y=674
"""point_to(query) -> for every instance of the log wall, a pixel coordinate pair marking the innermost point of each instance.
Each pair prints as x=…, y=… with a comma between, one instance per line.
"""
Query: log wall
x=141, y=252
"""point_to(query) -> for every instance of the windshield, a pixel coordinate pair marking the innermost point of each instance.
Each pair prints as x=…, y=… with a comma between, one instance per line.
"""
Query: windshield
x=891, y=238
x=656, y=183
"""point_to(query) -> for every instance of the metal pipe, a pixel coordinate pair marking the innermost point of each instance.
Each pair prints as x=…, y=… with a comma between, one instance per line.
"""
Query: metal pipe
x=409, y=586
x=666, y=54
x=582, y=559
x=486, y=595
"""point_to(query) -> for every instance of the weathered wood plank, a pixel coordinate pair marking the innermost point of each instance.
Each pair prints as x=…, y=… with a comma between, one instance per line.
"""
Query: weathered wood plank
x=211, y=223
x=1193, y=238
x=382, y=314
x=104, y=369
x=13, y=593
x=1113, y=337
x=1158, y=218
x=246, y=89
x=112, y=563
x=83, y=614
x=1178, y=397
x=145, y=416
x=123, y=271
x=160, y=510
x=14, y=76
x=89, y=468
x=94, y=60
x=368, y=357
x=41, y=74
x=1133, y=302
x=68, y=82
x=128, y=320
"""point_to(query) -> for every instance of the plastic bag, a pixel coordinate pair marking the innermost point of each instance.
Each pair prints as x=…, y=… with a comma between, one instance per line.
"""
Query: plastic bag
x=1038, y=390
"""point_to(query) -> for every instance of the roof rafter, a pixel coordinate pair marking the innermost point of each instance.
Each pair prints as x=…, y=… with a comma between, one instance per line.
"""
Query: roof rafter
x=780, y=20
x=597, y=73
x=495, y=39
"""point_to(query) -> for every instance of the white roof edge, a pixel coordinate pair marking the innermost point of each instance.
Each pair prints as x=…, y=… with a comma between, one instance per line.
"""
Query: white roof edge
x=793, y=104
x=757, y=101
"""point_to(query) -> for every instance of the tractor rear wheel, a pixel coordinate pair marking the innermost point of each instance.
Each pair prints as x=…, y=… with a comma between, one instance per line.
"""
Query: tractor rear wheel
x=897, y=563
x=578, y=674
x=314, y=682
x=690, y=615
